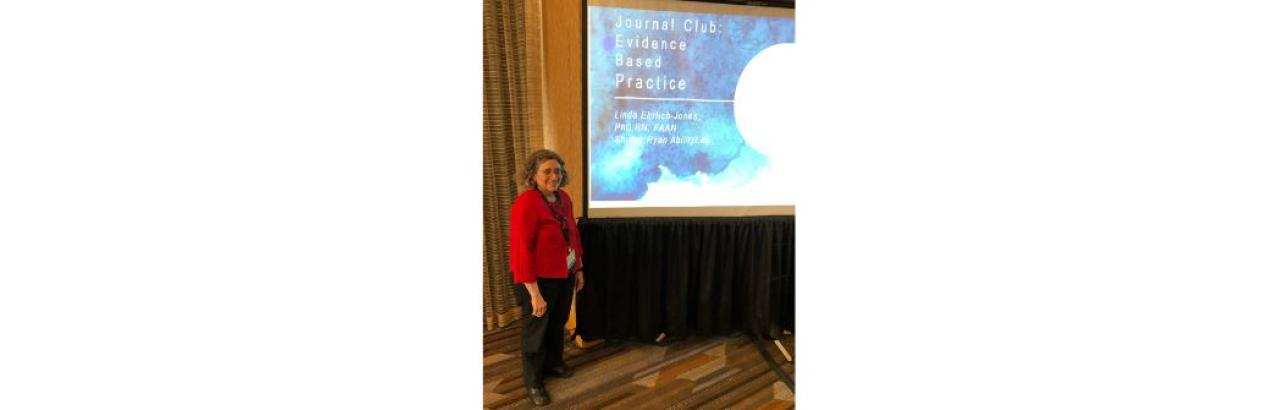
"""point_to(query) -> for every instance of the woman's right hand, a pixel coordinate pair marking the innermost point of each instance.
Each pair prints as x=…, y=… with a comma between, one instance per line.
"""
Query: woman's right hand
x=539, y=305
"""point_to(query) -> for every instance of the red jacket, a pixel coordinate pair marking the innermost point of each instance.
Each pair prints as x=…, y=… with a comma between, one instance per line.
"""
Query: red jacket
x=538, y=248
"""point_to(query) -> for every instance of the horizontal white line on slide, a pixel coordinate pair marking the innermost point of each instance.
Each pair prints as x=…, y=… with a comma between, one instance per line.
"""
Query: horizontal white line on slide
x=672, y=99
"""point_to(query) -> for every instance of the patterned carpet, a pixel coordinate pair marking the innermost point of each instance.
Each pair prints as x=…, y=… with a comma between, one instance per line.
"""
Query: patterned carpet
x=702, y=372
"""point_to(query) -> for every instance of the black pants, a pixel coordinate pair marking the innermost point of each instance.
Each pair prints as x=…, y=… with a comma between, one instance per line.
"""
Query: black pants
x=542, y=338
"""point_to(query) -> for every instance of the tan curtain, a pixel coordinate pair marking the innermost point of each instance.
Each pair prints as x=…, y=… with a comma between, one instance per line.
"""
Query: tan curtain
x=511, y=121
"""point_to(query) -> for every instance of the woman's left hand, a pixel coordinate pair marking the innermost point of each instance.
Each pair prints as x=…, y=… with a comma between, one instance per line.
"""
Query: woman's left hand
x=578, y=282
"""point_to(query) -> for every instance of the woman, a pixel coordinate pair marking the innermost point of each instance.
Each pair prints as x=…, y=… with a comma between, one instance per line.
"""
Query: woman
x=545, y=252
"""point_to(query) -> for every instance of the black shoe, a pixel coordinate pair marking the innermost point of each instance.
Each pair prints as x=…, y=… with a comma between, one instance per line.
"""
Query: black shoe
x=562, y=372
x=539, y=397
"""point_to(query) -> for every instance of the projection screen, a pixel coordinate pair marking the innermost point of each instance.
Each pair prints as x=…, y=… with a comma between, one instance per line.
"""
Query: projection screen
x=685, y=109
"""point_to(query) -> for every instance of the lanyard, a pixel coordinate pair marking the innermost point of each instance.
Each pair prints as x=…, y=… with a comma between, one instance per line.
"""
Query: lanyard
x=556, y=210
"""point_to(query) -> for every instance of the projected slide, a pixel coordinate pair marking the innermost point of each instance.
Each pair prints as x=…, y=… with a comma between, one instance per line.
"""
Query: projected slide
x=662, y=87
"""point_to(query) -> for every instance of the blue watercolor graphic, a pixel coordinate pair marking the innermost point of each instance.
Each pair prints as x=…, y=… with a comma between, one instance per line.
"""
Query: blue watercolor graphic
x=700, y=137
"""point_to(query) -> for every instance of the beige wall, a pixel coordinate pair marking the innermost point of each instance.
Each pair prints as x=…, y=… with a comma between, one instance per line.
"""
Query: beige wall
x=562, y=86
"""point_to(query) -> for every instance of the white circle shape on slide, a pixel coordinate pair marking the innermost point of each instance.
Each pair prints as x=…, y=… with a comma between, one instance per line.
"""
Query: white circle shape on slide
x=766, y=103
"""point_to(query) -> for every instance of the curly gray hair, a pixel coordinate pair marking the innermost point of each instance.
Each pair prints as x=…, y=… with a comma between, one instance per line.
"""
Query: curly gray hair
x=537, y=158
